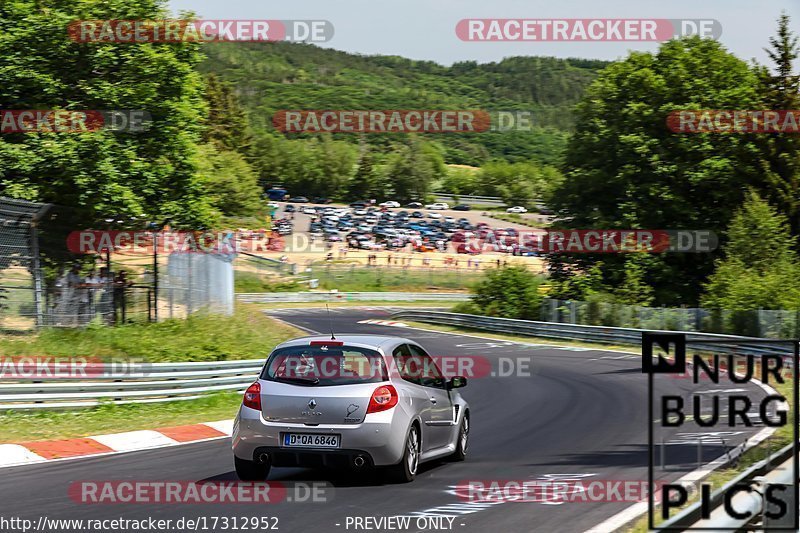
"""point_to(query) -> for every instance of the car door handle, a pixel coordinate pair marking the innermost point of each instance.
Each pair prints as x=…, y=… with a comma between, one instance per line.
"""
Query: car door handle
x=433, y=400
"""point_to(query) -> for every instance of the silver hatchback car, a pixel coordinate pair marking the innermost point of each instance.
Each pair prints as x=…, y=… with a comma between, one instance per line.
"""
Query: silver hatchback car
x=355, y=401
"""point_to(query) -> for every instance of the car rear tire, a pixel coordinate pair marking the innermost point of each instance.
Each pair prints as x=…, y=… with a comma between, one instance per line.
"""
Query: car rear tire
x=250, y=470
x=462, y=445
x=406, y=470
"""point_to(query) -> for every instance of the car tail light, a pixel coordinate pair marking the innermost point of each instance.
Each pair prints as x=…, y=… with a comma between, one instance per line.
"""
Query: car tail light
x=252, y=396
x=385, y=397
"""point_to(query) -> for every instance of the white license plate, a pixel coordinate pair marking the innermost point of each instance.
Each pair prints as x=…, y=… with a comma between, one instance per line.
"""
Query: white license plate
x=311, y=440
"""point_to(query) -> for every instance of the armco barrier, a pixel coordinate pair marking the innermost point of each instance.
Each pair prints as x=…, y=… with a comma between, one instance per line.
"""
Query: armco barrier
x=600, y=334
x=296, y=297
x=156, y=382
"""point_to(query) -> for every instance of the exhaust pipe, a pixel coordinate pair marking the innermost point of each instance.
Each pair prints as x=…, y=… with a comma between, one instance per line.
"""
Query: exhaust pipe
x=263, y=458
x=359, y=461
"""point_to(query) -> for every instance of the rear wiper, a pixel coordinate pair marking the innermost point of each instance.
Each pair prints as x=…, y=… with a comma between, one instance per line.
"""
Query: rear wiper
x=304, y=381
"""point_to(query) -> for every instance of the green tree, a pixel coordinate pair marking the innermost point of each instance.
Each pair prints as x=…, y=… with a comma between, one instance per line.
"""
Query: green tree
x=509, y=292
x=149, y=175
x=624, y=169
x=517, y=183
x=230, y=184
x=337, y=160
x=413, y=168
x=781, y=153
x=760, y=267
x=460, y=181
x=363, y=181
x=227, y=122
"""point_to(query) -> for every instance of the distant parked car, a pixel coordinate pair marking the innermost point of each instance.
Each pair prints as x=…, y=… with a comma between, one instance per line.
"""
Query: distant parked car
x=273, y=205
x=322, y=200
x=357, y=205
x=544, y=210
x=438, y=205
x=390, y=203
x=289, y=208
x=461, y=207
x=465, y=248
x=299, y=199
x=434, y=215
x=308, y=210
x=516, y=209
x=414, y=205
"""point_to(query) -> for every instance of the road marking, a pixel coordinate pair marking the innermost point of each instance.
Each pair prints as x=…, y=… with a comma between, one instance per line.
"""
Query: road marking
x=484, y=345
x=134, y=440
x=223, y=426
x=720, y=391
x=390, y=323
x=12, y=454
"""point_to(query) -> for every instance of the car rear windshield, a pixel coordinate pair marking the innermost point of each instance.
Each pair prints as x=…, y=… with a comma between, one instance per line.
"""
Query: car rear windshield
x=325, y=366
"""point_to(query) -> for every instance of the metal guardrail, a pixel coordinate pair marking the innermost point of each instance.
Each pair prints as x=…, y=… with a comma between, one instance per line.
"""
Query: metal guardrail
x=760, y=474
x=295, y=297
x=469, y=199
x=599, y=334
x=145, y=383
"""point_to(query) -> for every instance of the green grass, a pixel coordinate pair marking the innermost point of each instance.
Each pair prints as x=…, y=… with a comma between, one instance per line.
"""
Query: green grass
x=245, y=335
x=249, y=282
x=110, y=418
x=361, y=279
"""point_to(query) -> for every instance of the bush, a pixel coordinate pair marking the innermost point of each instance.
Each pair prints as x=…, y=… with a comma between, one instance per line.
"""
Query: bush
x=466, y=308
x=509, y=292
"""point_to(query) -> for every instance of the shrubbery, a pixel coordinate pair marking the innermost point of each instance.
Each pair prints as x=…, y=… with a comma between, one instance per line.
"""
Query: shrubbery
x=509, y=292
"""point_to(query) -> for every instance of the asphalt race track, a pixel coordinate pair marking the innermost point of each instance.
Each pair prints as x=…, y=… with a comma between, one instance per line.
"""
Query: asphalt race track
x=578, y=413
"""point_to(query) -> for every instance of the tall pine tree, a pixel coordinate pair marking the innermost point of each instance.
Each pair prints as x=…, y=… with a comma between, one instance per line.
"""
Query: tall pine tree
x=781, y=151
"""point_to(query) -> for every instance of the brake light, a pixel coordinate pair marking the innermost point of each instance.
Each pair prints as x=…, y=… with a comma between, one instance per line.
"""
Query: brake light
x=327, y=343
x=252, y=396
x=385, y=397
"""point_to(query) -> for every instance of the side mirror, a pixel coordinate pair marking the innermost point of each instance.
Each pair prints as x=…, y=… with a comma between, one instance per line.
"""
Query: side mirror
x=456, y=382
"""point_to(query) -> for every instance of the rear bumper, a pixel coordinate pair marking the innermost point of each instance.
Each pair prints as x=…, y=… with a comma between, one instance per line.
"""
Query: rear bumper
x=380, y=438
x=314, y=459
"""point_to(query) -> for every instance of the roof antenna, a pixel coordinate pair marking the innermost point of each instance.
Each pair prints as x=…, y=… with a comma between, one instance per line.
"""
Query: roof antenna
x=330, y=322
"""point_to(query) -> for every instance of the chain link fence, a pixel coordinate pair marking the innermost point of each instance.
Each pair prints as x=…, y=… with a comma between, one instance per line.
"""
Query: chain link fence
x=44, y=282
x=765, y=323
x=21, y=279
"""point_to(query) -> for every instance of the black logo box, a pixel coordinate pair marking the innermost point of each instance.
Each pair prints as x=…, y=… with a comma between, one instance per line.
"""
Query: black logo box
x=675, y=344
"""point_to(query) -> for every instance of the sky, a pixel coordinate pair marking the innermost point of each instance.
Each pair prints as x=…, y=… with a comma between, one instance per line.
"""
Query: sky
x=425, y=29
